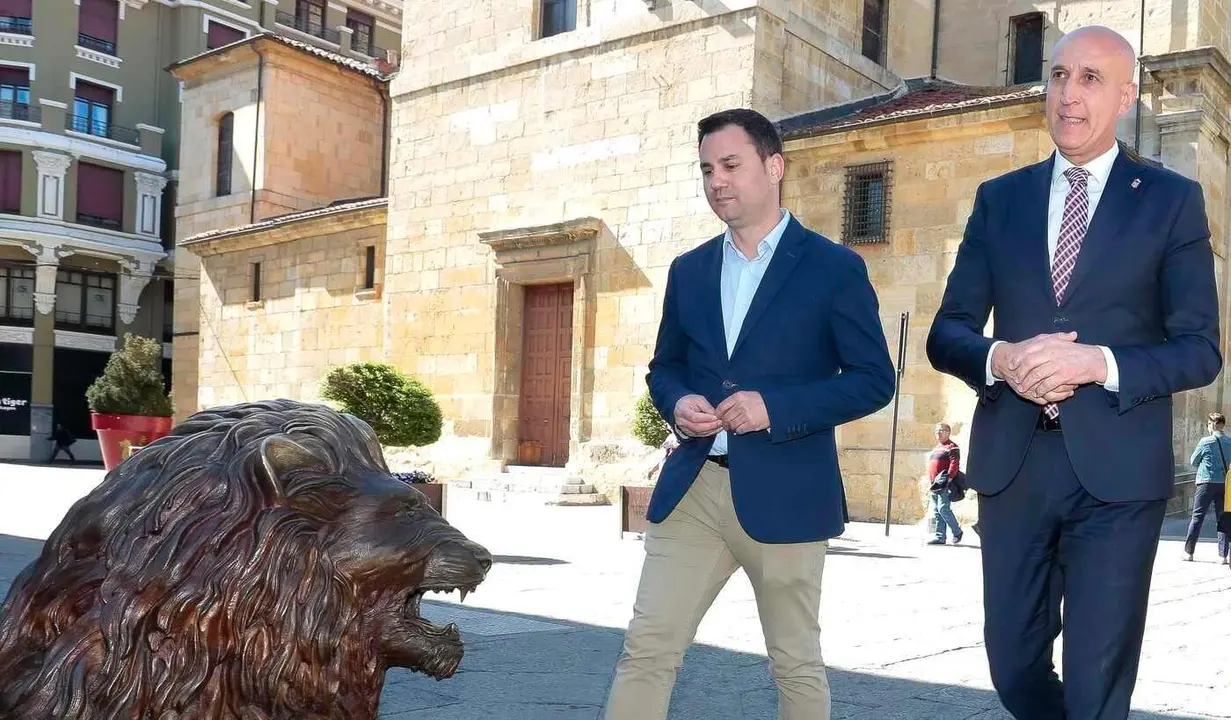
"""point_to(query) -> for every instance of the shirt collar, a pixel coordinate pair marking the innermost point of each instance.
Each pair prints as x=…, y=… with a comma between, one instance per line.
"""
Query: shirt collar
x=768, y=244
x=1099, y=167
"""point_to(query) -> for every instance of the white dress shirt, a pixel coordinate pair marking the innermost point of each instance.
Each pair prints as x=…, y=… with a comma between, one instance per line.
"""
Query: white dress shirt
x=1099, y=168
x=741, y=277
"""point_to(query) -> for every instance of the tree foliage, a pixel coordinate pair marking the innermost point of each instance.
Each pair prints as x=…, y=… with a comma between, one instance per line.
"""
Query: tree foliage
x=400, y=409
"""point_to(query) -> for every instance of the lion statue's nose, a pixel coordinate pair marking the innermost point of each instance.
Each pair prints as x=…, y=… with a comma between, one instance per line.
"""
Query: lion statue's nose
x=481, y=555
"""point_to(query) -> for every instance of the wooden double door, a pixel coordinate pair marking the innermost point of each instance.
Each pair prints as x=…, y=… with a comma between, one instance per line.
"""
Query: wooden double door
x=546, y=369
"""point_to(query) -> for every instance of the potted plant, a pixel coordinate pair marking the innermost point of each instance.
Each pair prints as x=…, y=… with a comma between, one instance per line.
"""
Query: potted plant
x=129, y=404
x=426, y=484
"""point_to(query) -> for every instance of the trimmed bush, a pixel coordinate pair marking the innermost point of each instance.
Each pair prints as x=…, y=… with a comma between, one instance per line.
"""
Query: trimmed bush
x=648, y=425
x=400, y=409
x=132, y=383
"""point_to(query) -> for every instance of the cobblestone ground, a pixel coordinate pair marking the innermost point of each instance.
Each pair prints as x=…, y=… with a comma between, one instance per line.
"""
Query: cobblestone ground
x=902, y=621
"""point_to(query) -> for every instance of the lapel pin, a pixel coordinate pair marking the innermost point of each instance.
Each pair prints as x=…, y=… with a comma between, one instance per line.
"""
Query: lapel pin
x=1136, y=182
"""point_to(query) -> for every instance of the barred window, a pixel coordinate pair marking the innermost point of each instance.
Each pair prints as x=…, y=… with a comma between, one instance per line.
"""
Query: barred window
x=226, y=130
x=865, y=214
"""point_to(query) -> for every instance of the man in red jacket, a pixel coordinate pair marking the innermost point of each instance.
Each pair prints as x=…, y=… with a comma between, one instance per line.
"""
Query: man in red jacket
x=945, y=459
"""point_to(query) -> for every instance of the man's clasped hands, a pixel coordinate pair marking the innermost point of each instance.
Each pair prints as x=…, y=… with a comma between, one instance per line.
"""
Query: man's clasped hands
x=1048, y=368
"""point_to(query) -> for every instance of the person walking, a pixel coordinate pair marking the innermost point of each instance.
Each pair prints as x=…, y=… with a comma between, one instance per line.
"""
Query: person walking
x=770, y=338
x=944, y=467
x=1210, y=460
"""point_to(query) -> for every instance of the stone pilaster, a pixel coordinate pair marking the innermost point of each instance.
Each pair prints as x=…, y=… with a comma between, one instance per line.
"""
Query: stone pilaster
x=52, y=170
x=43, y=348
x=149, y=204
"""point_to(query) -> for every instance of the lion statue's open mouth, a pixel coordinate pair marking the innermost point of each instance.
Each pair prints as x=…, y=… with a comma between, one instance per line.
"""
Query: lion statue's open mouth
x=259, y=562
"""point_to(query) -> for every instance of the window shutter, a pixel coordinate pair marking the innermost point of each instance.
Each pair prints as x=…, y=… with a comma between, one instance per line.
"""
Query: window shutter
x=99, y=19
x=100, y=192
x=220, y=35
x=95, y=93
x=16, y=8
x=10, y=182
x=18, y=76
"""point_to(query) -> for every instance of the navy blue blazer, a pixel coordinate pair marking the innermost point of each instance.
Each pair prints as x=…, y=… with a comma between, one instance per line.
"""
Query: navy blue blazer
x=813, y=347
x=1143, y=286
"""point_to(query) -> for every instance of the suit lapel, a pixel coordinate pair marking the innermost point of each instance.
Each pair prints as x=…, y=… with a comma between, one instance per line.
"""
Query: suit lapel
x=1033, y=224
x=711, y=290
x=1115, y=207
x=790, y=249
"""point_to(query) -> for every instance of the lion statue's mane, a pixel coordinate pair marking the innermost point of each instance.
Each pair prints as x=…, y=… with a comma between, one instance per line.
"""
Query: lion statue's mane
x=249, y=565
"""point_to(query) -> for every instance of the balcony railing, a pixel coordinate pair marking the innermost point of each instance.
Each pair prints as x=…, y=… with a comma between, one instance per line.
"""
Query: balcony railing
x=368, y=49
x=98, y=221
x=304, y=25
x=89, y=42
x=111, y=131
x=16, y=25
x=10, y=110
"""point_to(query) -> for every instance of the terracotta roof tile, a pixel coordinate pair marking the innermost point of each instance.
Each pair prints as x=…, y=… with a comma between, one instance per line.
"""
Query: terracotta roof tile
x=916, y=97
x=350, y=63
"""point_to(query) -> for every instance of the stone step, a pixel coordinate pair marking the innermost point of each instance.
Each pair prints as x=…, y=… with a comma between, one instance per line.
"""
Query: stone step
x=535, y=470
x=525, y=482
x=522, y=497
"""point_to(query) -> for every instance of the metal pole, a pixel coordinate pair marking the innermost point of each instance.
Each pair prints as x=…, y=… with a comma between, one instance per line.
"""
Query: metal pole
x=903, y=323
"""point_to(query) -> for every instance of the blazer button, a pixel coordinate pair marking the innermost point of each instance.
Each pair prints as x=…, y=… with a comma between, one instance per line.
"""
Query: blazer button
x=1060, y=320
x=727, y=384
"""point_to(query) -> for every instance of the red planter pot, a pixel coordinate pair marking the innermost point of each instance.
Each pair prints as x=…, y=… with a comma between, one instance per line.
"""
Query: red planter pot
x=118, y=433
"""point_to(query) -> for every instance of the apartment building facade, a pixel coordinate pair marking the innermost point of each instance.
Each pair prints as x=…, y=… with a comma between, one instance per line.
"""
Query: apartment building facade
x=89, y=156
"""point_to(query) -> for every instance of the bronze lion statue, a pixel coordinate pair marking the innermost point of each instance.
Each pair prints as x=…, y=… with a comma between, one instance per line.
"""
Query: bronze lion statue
x=258, y=563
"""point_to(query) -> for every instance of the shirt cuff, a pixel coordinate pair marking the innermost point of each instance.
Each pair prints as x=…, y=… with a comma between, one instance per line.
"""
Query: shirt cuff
x=1113, y=370
x=991, y=379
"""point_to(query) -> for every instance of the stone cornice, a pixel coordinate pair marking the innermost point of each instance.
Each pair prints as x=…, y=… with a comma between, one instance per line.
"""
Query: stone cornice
x=298, y=226
x=1207, y=57
x=64, y=238
x=540, y=236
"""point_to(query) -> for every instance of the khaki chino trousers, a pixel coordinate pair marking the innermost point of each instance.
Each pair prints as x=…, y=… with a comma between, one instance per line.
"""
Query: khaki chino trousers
x=689, y=557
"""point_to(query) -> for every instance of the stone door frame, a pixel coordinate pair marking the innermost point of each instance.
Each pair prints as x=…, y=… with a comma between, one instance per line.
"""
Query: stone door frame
x=538, y=255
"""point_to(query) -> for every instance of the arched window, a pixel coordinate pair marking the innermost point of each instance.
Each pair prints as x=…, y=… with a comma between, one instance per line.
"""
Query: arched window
x=226, y=129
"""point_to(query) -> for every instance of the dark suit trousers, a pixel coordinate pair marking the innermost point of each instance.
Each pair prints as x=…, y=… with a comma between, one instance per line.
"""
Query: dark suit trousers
x=1045, y=539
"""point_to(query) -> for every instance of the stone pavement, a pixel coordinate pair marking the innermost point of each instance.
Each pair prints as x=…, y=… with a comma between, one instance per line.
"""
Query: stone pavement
x=901, y=621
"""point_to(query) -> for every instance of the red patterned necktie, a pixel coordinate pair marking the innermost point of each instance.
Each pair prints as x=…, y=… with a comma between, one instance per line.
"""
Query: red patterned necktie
x=1072, y=232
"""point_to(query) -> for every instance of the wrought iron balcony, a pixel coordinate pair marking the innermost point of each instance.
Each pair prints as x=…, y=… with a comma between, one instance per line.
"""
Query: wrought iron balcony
x=111, y=131
x=16, y=25
x=10, y=110
x=96, y=44
x=309, y=27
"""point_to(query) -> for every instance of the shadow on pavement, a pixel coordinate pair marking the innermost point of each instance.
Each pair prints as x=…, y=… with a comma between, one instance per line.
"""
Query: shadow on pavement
x=526, y=560
x=529, y=667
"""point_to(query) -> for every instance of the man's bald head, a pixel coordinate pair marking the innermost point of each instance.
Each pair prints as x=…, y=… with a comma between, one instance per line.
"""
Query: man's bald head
x=1090, y=87
x=1109, y=43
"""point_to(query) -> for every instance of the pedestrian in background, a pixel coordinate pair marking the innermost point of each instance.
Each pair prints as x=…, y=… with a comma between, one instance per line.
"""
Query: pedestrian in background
x=1210, y=460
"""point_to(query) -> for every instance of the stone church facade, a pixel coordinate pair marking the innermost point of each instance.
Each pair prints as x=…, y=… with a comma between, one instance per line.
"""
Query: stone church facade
x=542, y=175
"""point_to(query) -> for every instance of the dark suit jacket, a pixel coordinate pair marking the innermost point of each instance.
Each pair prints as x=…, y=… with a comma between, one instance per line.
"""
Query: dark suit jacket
x=1143, y=286
x=811, y=344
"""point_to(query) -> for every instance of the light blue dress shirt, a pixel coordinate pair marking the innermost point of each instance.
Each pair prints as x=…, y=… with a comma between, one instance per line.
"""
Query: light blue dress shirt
x=741, y=277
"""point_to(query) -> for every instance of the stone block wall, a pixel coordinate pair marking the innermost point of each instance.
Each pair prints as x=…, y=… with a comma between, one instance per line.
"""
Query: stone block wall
x=937, y=166
x=312, y=316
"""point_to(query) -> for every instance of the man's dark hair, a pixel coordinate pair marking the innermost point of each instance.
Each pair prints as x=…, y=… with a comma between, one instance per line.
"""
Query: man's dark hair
x=763, y=133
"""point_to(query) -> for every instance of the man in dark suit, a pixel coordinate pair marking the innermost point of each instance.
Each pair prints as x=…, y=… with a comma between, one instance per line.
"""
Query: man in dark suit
x=1099, y=268
x=770, y=338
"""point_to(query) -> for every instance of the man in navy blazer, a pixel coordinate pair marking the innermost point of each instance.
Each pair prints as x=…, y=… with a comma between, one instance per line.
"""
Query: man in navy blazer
x=1097, y=265
x=770, y=338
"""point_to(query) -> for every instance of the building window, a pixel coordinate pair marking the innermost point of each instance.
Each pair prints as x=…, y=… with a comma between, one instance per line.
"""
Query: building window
x=369, y=267
x=85, y=301
x=875, y=27
x=226, y=131
x=217, y=34
x=310, y=16
x=865, y=213
x=361, y=39
x=10, y=182
x=15, y=17
x=1026, y=44
x=14, y=93
x=254, y=292
x=559, y=16
x=17, y=294
x=92, y=109
x=100, y=196
x=97, y=25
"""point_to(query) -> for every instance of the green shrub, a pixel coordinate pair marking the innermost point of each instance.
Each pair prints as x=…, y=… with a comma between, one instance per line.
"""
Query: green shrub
x=400, y=409
x=132, y=383
x=648, y=425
